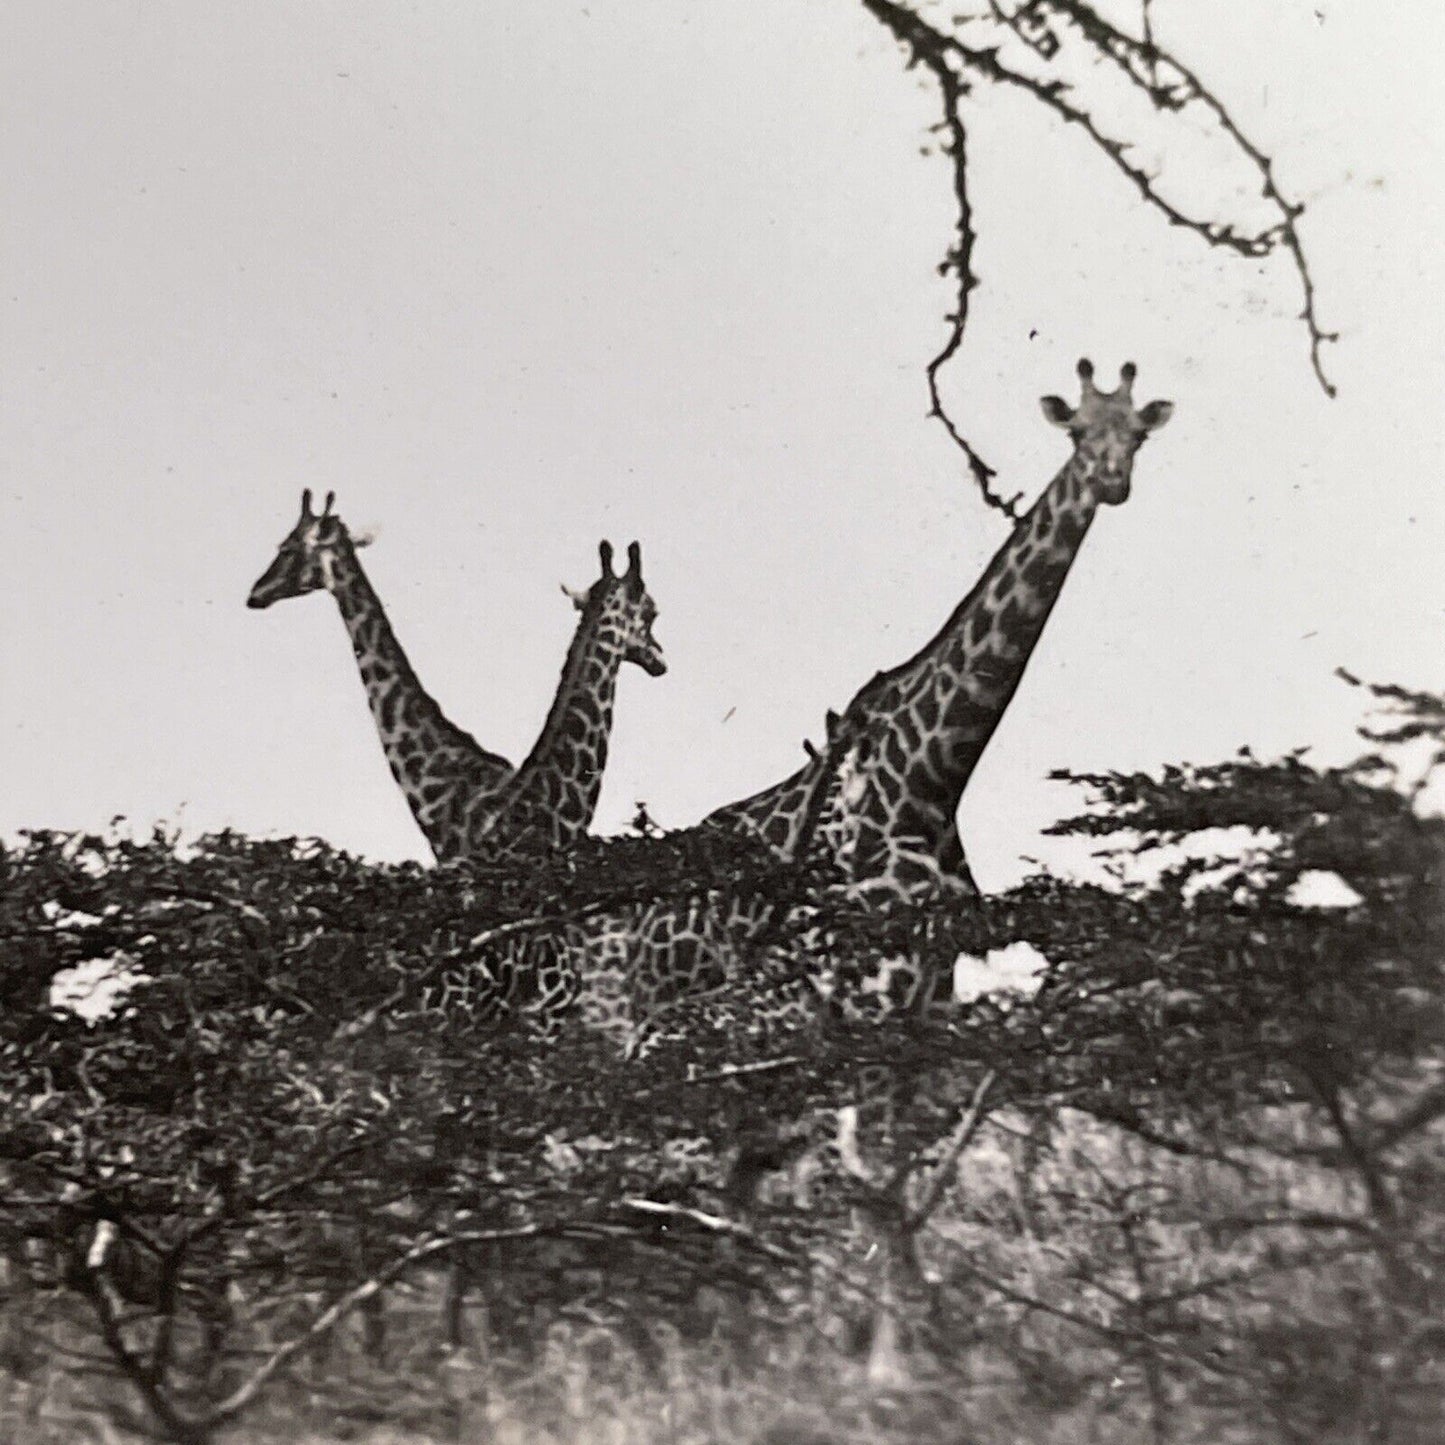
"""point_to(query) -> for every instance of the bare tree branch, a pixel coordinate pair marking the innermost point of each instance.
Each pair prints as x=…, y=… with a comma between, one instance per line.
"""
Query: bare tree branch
x=927, y=47
x=1114, y=43
x=1169, y=86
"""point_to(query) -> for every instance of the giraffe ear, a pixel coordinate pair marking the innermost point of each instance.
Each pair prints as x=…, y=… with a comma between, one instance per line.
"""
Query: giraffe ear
x=576, y=598
x=604, y=551
x=811, y=748
x=1056, y=410
x=1153, y=416
x=364, y=538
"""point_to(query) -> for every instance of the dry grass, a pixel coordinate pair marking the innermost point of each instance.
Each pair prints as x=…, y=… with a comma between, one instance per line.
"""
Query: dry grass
x=1287, y=1352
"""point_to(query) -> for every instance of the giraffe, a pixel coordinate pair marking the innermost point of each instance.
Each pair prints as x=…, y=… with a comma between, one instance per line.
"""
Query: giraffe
x=451, y=783
x=626, y=971
x=551, y=798
x=921, y=728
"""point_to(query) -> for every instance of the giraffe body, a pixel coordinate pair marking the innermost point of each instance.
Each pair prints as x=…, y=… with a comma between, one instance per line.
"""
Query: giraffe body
x=880, y=802
x=812, y=801
x=622, y=971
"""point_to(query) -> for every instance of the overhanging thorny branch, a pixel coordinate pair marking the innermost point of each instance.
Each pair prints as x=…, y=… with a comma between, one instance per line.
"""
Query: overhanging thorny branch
x=1044, y=27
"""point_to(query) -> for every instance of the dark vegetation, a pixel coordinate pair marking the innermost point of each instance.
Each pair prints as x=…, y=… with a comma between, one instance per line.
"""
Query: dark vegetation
x=1191, y=1189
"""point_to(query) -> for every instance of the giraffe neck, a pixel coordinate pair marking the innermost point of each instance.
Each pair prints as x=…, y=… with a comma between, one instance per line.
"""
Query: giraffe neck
x=929, y=719
x=976, y=661
x=552, y=798
x=933, y=716
x=780, y=816
x=431, y=758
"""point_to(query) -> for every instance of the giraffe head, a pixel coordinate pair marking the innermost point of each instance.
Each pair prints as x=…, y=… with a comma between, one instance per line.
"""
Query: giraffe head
x=1107, y=430
x=623, y=606
x=304, y=561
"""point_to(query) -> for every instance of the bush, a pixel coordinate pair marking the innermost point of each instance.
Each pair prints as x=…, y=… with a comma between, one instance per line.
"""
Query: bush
x=1187, y=1190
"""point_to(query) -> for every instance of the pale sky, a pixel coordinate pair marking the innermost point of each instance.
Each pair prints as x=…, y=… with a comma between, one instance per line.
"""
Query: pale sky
x=511, y=279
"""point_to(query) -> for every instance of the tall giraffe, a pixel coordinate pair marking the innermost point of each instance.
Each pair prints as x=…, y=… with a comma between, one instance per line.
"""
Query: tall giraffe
x=882, y=799
x=451, y=783
x=922, y=727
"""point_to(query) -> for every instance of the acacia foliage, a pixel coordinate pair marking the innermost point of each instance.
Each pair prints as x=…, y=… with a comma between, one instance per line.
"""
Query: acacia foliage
x=279, y=1124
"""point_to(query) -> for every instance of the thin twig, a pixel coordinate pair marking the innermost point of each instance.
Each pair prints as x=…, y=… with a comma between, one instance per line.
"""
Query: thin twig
x=1097, y=1327
x=968, y=1127
x=950, y=60
x=925, y=47
x=714, y=1223
x=1305, y=1219
x=1316, y=1259
x=104, y=1301
x=727, y=1071
x=234, y=1403
x=1114, y=43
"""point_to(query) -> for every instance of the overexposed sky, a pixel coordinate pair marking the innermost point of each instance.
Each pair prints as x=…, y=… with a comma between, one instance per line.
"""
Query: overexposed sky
x=513, y=279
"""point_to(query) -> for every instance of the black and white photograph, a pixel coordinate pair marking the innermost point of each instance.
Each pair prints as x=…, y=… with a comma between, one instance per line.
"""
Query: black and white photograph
x=721, y=723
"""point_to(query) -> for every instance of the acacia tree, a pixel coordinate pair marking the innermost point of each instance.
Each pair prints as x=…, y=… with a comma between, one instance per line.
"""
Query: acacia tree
x=202, y=1189
x=1116, y=88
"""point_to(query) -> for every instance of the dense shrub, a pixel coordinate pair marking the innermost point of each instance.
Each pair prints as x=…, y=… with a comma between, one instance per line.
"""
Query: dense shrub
x=1191, y=1185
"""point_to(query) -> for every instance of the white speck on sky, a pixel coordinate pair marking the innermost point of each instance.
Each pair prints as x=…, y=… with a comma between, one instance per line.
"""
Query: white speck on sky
x=1318, y=888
